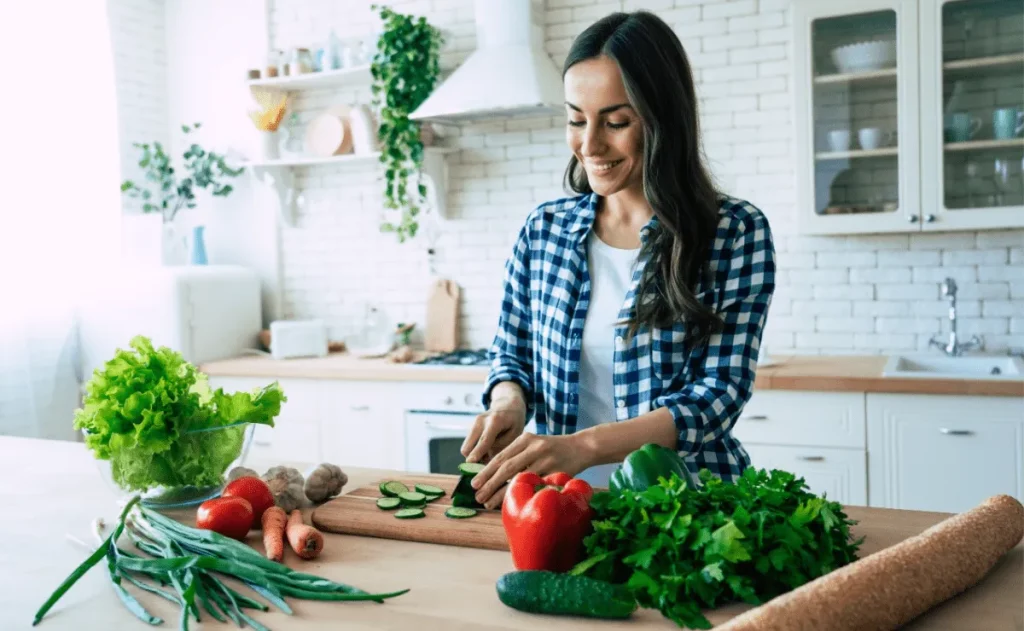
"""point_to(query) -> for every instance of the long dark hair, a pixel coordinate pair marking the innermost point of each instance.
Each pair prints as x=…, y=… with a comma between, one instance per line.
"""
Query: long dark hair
x=677, y=185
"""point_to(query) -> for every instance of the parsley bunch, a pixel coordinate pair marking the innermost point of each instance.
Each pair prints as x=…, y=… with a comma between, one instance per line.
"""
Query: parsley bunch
x=681, y=549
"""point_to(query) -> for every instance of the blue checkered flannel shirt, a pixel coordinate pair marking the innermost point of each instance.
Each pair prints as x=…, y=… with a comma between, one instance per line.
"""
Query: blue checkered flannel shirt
x=547, y=293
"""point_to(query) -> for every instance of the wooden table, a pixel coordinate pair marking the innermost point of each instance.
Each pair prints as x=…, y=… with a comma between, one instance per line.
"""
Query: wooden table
x=51, y=489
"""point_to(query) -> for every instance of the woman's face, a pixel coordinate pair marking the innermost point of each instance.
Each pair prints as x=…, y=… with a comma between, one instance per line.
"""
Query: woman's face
x=603, y=131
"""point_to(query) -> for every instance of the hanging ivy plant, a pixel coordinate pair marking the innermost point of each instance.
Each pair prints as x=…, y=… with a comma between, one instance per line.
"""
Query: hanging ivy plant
x=405, y=69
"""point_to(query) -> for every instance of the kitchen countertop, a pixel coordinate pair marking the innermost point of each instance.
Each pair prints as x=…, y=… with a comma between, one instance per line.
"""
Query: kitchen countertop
x=855, y=373
x=59, y=491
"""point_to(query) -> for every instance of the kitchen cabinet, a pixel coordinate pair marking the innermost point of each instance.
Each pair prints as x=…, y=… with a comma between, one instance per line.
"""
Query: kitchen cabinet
x=908, y=115
x=943, y=453
x=819, y=436
x=296, y=435
x=362, y=425
x=348, y=423
x=839, y=474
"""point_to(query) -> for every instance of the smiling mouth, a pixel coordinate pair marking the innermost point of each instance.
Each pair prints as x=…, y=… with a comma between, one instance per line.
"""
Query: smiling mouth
x=606, y=166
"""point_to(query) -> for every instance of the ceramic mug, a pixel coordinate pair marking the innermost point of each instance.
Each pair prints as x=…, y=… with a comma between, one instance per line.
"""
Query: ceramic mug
x=873, y=138
x=839, y=140
x=962, y=127
x=1007, y=122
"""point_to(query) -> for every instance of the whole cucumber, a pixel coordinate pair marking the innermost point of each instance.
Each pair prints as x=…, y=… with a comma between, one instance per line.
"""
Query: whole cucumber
x=541, y=591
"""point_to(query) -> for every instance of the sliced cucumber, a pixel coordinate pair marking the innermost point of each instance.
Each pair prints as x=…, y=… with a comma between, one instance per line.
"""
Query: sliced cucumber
x=412, y=498
x=392, y=488
x=458, y=512
x=410, y=513
x=388, y=503
x=431, y=498
x=471, y=468
x=429, y=489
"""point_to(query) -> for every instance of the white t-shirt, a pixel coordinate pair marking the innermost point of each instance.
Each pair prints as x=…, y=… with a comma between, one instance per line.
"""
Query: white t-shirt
x=611, y=271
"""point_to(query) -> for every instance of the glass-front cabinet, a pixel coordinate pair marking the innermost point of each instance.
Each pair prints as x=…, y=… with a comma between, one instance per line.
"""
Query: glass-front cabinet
x=909, y=115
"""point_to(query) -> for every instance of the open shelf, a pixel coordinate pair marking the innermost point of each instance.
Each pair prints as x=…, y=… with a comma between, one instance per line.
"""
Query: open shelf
x=884, y=75
x=984, y=62
x=346, y=77
x=857, y=153
x=974, y=145
x=280, y=176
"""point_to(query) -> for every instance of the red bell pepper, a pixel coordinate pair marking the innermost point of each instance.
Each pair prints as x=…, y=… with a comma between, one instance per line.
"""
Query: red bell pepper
x=546, y=519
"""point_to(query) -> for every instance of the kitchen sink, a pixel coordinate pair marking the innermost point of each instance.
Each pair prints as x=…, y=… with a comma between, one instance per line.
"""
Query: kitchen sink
x=964, y=367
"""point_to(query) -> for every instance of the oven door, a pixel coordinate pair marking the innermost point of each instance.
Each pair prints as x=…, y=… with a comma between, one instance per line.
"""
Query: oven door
x=433, y=440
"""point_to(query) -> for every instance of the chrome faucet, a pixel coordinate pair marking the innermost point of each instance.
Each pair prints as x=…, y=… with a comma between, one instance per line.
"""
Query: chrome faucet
x=952, y=347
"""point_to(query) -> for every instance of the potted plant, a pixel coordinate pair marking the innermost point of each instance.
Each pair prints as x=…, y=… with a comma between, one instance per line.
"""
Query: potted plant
x=405, y=69
x=167, y=192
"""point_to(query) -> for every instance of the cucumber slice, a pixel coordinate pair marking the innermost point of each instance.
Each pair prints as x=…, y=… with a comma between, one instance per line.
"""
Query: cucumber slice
x=388, y=503
x=392, y=488
x=431, y=498
x=429, y=489
x=410, y=513
x=458, y=512
x=471, y=468
x=412, y=498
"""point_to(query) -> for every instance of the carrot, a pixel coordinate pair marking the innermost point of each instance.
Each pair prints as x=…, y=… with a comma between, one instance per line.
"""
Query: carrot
x=273, y=522
x=305, y=540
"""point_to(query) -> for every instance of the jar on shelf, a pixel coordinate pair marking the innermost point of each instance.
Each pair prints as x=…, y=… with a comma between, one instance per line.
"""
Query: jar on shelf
x=274, y=62
x=291, y=141
x=300, y=62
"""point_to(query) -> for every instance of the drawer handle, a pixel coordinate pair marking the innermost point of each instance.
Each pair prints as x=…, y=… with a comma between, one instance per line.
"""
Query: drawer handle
x=359, y=408
x=261, y=443
x=955, y=432
x=811, y=458
x=754, y=417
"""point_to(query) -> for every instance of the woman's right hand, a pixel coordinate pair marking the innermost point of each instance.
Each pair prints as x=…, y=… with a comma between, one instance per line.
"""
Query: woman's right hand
x=495, y=429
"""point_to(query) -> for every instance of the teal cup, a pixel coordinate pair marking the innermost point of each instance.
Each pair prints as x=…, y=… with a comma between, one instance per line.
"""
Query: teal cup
x=961, y=127
x=1007, y=122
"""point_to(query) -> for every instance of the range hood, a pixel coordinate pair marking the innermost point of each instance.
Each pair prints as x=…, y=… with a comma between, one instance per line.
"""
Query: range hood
x=508, y=74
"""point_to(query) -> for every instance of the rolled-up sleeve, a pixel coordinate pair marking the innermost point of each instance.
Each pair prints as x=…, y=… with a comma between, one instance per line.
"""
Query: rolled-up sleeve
x=511, y=353
x=707, y=405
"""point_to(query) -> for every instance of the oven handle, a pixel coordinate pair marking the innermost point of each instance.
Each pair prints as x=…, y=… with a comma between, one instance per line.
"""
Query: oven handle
x=447, y=428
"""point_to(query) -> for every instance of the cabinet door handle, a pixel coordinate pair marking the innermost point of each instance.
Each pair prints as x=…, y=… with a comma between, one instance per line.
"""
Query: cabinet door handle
x=261, y=443
x=359, y=408
x=754, y=417
x=955, y=432
x=811, y=458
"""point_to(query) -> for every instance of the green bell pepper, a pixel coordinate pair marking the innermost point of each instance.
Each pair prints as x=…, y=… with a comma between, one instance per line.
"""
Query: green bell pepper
x=643, y=467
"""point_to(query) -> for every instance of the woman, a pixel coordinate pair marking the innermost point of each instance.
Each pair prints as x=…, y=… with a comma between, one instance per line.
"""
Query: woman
x=633, y=311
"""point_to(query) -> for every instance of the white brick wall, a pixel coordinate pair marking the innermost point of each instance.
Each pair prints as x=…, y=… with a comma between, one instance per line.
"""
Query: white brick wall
x=137, y=29
x=862, y=294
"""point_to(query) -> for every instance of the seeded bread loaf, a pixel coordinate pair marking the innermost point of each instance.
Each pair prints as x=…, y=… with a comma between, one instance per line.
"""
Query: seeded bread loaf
x=891, y=587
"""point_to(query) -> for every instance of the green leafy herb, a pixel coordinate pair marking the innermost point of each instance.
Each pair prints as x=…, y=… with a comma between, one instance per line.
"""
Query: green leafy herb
x=154, y=417
x=681, y=549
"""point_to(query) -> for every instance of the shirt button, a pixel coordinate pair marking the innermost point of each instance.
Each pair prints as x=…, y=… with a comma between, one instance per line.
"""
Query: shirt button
x=618, y=340
x=622, y=403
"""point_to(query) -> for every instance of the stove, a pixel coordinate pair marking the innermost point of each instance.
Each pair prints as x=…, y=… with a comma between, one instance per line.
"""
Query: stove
x=462, y=357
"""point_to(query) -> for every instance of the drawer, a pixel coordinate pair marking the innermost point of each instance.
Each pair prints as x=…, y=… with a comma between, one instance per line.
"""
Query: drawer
x=838, y=474
x=825, y=419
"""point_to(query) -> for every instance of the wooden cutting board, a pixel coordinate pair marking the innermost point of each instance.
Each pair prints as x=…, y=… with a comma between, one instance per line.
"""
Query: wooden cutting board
x=356, y=513
x=442, y=328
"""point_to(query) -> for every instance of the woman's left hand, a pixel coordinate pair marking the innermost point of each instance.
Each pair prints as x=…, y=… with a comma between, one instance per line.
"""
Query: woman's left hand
x=528, y=452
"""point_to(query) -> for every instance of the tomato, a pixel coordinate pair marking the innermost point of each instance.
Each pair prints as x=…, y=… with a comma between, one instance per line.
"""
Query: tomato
x=229, y=516
x=256, y=492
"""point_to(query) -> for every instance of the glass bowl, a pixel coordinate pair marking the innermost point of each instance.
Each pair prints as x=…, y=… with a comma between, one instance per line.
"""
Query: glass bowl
x=168, y=497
